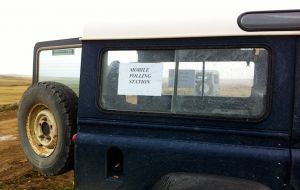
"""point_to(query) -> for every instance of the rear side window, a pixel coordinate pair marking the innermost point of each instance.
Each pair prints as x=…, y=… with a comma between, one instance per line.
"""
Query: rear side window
x=206, y=82
x=60, y=65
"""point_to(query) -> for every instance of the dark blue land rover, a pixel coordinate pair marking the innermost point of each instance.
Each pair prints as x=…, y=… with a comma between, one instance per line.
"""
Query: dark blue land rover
x=169, y=108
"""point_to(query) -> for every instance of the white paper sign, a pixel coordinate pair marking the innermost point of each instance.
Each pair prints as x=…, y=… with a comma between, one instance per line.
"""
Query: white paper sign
x=140, y=79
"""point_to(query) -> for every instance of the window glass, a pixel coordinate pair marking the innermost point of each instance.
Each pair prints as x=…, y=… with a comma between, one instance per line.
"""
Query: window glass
x=209, y=82
x=137, y=80
x=61, y=65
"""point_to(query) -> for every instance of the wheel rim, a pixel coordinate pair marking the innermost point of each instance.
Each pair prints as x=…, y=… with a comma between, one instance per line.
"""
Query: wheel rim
x=206, y=89
x=41, y=129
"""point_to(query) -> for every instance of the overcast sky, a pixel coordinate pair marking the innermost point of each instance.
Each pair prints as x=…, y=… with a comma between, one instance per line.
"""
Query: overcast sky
x=25, y=22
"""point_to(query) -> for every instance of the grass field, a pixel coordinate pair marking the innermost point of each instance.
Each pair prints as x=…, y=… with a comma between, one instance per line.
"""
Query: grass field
x=12, y=88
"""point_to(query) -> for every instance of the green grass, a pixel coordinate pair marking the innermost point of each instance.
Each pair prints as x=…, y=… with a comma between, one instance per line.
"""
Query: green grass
x=7, y=107
x=66, y=187
x=12, y=88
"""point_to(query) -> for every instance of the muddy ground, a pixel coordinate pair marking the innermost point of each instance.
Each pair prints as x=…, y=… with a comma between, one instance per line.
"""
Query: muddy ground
x=15, y=171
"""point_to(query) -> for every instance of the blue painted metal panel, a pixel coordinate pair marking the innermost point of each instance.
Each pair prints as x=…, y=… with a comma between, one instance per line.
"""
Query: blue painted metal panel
x=147, y=159
x=156, y=145
x=295, y=152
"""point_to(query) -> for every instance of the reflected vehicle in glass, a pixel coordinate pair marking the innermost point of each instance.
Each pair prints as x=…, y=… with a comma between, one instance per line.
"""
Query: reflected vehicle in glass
x=207, y=86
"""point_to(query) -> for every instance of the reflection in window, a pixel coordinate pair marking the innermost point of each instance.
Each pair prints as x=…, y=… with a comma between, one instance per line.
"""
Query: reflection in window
x=210, y=82
x=225, y=79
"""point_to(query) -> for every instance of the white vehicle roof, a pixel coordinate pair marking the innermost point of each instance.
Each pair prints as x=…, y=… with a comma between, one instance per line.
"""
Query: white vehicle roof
x=188, y=19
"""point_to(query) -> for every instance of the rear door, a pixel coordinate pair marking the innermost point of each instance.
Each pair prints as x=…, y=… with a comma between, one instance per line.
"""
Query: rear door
x=58, y=61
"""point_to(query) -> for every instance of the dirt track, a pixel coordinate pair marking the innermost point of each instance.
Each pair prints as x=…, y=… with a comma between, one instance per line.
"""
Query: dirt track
x=15, y=171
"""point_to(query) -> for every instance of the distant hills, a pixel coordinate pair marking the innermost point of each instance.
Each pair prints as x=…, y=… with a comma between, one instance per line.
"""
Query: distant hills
x=14, y=75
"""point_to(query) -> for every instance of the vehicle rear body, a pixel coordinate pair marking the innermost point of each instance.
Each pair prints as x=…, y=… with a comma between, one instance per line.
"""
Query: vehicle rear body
x=129, y=138
x=153, y=145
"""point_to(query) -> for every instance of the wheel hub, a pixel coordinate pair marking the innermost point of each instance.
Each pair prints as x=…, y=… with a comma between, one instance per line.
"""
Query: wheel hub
x=42, y=130
x=45, y=128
